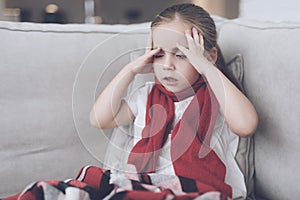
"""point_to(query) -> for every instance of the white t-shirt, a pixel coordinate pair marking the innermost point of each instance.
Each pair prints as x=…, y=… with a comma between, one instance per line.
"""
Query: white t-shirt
x=223, y=141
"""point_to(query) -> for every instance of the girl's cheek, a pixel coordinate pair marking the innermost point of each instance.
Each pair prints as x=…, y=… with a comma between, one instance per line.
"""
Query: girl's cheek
x=155, y=68
x=157, y=71
x=156, y=61
x=182, y=61
x=157, y=65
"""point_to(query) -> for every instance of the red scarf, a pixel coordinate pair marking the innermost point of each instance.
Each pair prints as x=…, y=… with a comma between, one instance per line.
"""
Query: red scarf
x=190, y=152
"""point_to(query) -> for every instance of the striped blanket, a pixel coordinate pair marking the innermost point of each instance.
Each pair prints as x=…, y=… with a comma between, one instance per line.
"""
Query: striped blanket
x=94, y=183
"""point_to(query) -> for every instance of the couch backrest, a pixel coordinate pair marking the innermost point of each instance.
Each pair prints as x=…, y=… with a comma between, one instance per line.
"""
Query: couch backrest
x=271, y=74
x=50, y=77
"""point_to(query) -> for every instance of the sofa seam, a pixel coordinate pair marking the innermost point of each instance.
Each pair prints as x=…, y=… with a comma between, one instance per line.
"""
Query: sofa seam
x=75, y=32
x=290, y=26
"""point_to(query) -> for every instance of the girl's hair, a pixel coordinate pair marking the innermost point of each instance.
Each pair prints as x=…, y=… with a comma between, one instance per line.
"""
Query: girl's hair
x=200, y=19
x=197, y=17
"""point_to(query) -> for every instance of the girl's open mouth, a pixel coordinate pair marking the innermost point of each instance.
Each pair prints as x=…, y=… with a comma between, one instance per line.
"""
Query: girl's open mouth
x=170, y=80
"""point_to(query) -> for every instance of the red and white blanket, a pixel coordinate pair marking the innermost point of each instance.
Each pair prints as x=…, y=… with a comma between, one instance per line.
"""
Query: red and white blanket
x=94, y=183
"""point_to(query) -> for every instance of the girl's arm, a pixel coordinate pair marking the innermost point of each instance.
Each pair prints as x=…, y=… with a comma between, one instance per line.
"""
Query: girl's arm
x=110, y=110
x=238, y=111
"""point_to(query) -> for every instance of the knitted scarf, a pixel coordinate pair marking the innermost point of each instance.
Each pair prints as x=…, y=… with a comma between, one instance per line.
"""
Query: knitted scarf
x=191, y=154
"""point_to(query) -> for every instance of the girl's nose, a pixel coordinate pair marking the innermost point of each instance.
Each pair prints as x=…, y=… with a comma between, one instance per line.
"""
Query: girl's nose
x=168, y=63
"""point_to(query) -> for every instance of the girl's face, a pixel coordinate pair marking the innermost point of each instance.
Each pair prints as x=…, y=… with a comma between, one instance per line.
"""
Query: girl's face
x=171, y=67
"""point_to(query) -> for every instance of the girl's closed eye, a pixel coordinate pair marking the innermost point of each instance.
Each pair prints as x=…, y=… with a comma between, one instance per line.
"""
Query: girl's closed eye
x=160, y=55
x=180, y=56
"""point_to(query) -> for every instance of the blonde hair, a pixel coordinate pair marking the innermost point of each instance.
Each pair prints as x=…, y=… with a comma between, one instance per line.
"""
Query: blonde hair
x=197, y=17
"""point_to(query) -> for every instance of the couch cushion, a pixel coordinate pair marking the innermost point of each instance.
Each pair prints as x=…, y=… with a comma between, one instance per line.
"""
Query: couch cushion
x=47, y=91
x=270, y=10
x=271, y=74
x=245, y=152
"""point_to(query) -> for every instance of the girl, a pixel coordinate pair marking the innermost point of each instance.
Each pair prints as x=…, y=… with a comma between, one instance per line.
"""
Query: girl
x=175, y=118
x=179, y=134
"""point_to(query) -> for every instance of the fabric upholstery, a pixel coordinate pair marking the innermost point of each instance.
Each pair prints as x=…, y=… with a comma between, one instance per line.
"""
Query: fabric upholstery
x=270, y=81
x=47, y=91
x=51, y=75
x=270, y=10
x=245, y=152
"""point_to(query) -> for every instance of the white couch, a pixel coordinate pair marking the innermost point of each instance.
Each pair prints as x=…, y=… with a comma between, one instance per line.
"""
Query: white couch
x=51, y=74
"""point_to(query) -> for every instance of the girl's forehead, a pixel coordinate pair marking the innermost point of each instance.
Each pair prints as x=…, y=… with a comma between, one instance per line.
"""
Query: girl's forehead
x=169, y=34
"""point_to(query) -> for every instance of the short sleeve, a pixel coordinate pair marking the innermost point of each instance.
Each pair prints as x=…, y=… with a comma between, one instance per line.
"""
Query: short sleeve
x=138, y=98
x=225, y=143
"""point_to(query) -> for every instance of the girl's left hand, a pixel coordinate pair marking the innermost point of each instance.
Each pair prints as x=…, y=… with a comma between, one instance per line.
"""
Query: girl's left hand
x=195, y=51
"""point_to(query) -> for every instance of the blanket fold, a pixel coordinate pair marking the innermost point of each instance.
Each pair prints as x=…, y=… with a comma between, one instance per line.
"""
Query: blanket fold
x=92, y=183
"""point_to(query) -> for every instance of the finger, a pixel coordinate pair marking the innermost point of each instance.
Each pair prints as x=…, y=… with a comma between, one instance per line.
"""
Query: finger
x=151, y=53
x=149, y=42
x=188, y=36
x=190, y=40
x=196, y=35
x=201, y=40
x=182, y=49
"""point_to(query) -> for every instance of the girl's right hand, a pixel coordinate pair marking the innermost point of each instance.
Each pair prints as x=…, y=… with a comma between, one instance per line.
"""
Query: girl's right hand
x=143, y=64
